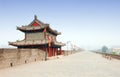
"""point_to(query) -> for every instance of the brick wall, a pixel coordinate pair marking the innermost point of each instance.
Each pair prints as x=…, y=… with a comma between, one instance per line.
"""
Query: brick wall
x=13, y=57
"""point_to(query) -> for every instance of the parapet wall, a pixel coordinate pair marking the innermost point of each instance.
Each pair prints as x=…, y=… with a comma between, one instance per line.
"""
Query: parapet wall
x=13, y=57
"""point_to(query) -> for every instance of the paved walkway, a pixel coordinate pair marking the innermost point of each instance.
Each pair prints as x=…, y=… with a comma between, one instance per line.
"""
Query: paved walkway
x=83, y=64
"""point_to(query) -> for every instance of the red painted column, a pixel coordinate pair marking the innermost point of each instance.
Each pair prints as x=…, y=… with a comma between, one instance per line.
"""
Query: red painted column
x=58, y=51
x=49, y=52
x=52, y=52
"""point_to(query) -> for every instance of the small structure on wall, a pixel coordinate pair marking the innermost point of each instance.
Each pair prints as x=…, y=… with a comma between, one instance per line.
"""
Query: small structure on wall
x=39, y=35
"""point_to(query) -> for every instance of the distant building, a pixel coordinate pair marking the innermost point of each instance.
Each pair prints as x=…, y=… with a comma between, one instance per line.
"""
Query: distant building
x=39, y=35
x=115, y=50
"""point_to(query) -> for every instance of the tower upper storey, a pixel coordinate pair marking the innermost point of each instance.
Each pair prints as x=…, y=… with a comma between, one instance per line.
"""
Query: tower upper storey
x=37, y=25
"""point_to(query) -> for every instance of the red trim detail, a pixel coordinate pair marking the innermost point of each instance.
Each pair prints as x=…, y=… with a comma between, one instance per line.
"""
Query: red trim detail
x=35, y=24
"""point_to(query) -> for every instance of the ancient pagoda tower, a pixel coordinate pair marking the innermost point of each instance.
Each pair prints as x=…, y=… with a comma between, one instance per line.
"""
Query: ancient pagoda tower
x=39, y=35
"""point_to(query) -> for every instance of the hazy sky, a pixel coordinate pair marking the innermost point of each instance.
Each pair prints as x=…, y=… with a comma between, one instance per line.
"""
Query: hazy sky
x=89, y=24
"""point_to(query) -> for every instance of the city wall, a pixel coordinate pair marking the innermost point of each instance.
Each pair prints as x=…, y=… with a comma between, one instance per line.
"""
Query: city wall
x=12, y=57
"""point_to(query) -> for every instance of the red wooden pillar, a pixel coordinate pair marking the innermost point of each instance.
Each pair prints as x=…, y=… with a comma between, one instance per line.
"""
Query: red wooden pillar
x=52, y=51
x=57, y=51
x=49, y=52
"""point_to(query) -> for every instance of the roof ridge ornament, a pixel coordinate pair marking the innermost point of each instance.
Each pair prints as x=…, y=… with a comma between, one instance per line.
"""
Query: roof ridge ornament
x=35, y=17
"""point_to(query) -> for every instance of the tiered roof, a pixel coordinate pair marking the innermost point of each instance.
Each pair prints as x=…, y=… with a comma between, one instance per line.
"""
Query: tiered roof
x=36, y=25
x=34, y=42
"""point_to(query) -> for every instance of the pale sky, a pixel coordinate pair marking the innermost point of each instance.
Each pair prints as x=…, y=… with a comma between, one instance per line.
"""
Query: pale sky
x=89, y=24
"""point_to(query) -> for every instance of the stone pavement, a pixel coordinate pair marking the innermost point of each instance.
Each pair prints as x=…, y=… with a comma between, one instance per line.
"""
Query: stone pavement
x=83, y=64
